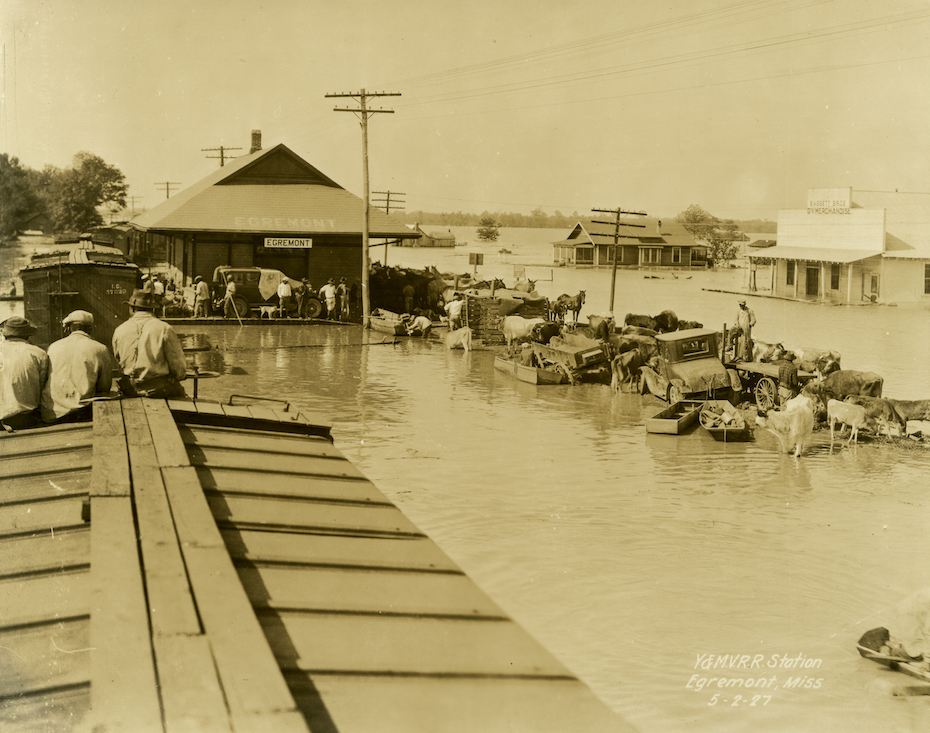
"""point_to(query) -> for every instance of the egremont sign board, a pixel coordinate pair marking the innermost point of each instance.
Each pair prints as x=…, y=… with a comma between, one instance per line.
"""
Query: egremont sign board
x=288, y=243
x=829, y=200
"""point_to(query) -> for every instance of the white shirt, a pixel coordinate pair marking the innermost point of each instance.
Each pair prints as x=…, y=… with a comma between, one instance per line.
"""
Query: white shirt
x=146, y=347
x=23, y=374
x=284, y=289
x=81, y=368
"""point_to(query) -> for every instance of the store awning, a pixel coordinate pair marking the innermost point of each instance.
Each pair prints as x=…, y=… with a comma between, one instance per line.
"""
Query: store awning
x=814, y=254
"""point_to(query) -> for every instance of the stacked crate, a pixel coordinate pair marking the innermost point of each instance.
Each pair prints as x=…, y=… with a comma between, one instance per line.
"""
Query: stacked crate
x=482, y=316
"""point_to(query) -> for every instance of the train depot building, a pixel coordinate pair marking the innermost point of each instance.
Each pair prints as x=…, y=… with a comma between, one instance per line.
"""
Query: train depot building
x=268, y=209
x=850, y=247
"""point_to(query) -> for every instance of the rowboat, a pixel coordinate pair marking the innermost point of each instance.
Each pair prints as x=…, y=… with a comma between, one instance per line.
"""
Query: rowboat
x=531, y=375
x=870, y=645
x=675, y=419
x=388, y=322
x=724, y=422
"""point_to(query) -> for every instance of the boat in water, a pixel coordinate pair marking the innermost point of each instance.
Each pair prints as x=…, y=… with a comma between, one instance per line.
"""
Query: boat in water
x=675, y=419
x=388, y=322
x=529, y=374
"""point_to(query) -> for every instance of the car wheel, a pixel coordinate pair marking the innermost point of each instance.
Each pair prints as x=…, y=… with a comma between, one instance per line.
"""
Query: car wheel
x=673, y=393
x=766, y=394
x=242, y=306
x=313, y=308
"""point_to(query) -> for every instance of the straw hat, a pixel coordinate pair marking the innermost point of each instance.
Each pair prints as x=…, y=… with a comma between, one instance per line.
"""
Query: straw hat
x=18, y=327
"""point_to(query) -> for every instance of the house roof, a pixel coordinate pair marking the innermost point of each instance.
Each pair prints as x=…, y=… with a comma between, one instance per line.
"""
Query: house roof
x=814, y=254
x=648, y=230
x=268, y=191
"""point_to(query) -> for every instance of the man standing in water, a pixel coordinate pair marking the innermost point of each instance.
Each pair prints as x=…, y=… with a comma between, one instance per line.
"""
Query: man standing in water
x=23, y=373
x=149, y=352
x=81, y=368
x=745, y=320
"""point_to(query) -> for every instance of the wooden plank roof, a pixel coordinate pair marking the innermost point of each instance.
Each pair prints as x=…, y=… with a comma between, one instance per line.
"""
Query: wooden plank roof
x=240, y=577
x=271, y=191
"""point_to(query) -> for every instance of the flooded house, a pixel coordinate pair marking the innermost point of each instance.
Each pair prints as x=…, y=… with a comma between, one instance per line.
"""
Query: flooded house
x=650, y=243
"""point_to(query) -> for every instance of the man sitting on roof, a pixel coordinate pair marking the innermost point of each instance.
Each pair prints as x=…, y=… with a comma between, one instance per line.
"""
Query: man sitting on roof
x=23, y=373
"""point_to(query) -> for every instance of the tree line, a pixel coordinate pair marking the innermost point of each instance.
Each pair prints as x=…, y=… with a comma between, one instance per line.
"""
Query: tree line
x=71, y=197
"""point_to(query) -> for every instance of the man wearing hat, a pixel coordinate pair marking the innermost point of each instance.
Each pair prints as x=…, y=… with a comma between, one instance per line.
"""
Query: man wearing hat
x=201, y=298
x=23, y=373
x=328, y=292
x=301, y=291
x=81, y=368
x=788, y=378
x=342, y=293
x=454, y=309
x=745, y=320
x=149, y=352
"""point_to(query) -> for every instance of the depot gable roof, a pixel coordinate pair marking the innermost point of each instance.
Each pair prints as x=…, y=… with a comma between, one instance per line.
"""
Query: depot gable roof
x=272, y=191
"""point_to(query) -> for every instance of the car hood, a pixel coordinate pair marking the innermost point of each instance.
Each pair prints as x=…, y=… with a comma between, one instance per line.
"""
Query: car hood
x=698, y=373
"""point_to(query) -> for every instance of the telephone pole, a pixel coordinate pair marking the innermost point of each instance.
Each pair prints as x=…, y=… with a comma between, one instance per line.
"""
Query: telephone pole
x=222, y=156
x=617, y=236
x=363, y=113
x=167, y=185
x=386, y=205
x=132, y=202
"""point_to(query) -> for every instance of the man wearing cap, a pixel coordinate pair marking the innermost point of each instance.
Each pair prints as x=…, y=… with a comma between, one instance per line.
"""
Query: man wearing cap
x=81, y=368
x=745, y=320
x=201, y=298
x=23, y=373
x=149, y=352
x=328, y=292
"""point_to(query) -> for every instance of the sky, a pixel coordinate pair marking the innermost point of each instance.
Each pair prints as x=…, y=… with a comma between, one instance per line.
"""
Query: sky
x=736, y=106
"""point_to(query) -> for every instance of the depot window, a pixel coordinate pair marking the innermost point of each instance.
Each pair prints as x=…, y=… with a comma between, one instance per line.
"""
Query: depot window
x=789, y=269
x=834, y=277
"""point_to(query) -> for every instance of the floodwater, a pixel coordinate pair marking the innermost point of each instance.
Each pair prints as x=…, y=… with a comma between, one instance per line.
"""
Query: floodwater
x=631, y=556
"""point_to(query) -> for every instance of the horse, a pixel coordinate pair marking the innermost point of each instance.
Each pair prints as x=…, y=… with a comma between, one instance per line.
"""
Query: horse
x=572, y=303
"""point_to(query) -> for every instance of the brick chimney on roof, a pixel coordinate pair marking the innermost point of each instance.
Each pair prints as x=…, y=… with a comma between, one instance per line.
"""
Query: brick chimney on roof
x=256, y=141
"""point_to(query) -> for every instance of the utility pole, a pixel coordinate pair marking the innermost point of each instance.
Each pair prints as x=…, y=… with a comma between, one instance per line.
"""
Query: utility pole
x=167, y=185
x=132, y=202
x=386, y=204
x=222, y=156
x=617, y=236
x=363, y=113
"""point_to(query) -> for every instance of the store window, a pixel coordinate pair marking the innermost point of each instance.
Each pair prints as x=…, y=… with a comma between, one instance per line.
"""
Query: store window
x=789, y=268
x=834, y=277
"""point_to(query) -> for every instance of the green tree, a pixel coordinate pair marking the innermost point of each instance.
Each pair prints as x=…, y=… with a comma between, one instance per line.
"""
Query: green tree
x=707, y=229
x=488, y=229
x=17, y=199
x=76, y=192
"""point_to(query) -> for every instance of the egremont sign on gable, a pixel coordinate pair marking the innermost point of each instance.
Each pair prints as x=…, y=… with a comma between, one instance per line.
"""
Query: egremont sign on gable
x=288, y=243
x=829, y=200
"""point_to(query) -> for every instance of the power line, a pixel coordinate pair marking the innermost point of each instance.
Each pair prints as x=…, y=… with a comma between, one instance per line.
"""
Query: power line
x=363, y=113
x=617, y=236
x=222, y=156
x=167, y=185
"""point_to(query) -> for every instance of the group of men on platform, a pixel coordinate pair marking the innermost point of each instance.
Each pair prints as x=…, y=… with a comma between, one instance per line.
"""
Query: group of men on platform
x=39, y=387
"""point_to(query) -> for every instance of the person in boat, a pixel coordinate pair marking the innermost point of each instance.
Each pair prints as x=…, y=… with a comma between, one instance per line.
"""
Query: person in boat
x=149, y=352
x=788, y=378
x=454, y=309
x=24, y=370
x=81, y=368
x=328, y=292
x=201, y=298
x=745, y=320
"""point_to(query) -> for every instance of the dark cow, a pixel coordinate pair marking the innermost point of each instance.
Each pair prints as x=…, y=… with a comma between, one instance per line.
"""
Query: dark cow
x=912, y=409
x=879, y=412
x=842, y=384
x=625, y=368
x=434, y=291
x=543, y=332
x=632, y=319
x=684, y=325
x=666, y=322
x=638, y=331
x=619, y=344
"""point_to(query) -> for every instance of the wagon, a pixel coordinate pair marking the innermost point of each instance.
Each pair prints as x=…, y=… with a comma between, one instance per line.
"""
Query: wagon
x=760, y=381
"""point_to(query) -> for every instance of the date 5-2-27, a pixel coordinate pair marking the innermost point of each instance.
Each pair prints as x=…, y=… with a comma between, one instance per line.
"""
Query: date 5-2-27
x=739, y=700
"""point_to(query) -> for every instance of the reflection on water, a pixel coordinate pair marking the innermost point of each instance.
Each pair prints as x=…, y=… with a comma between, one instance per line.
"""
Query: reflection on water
x=627, y=554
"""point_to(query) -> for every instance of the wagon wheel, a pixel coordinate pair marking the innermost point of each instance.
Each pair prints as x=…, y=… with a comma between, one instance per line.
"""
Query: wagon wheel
x=766, y=393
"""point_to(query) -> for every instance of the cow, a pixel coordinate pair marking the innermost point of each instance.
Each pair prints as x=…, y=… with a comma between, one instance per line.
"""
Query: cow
x=459, y=337
x=848, y=414
x=879, y=413
x=619, y=344
x=632, y=319
x=763, y=352
x=543, y=332
x=528, y=287
x=685, y=325
x=912, y=409
x=638, y=331
x=625, y=368
x=820, y=361
x=839, y=385
x=517, y=327
x=791, y=426
x=666, y=322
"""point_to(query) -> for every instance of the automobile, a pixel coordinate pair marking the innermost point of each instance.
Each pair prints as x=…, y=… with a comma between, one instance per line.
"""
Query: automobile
x=690, y=361
x=257, y=287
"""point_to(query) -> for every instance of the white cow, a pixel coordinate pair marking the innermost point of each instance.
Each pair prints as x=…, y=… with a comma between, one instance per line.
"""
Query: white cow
x=517, y=327
x=848, y=414
x=792, y=426
x=459, y=337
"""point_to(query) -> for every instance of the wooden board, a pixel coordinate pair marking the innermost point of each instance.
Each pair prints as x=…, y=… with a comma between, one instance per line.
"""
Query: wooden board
x=404, y=645
x=73, y=482
x=62, y=709
x=294, y=485
x=78, y=458
x=367, y=591
x=41, y=515
x=42, y=656
x=45, y=552
x=26, y=599
x=212, y=437
x=111, y=462
x=51, y=439
x=297, y=514
x=413, y=553
x=675, y=419
x=253, y=461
